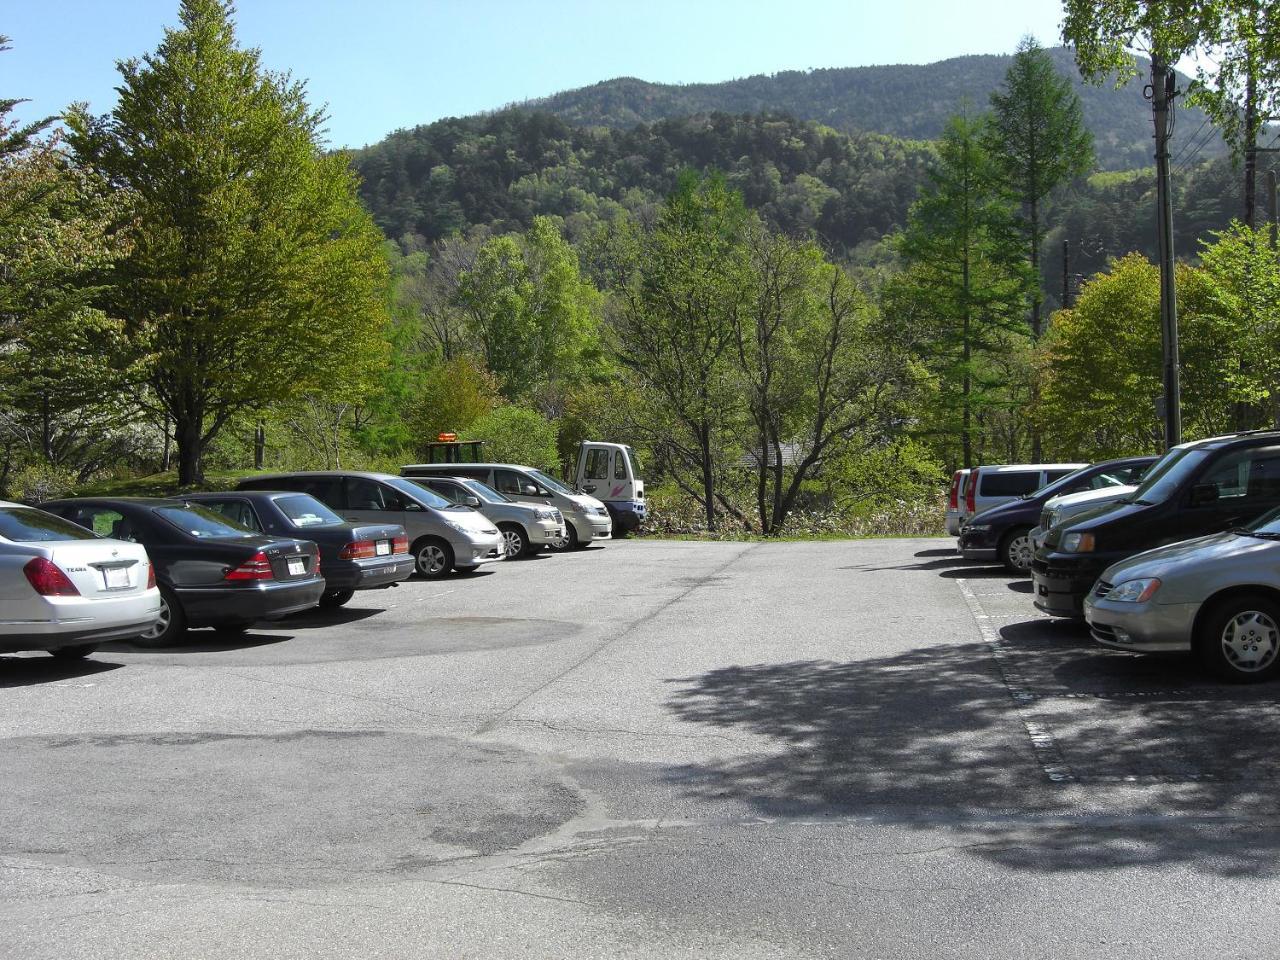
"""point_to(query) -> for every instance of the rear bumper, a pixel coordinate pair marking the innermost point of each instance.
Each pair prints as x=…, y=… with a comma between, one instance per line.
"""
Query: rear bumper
x=367, y=574
x=83, y=621
x=953, y=524
x=210, y=606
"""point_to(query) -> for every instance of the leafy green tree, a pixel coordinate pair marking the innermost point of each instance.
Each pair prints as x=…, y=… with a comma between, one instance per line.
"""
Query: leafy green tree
x=253, y=276
x=678, y=289
x=1038, y=140
x=1244, y=275
x=455, y=394
x=822, y=378
x=1100, y=363
x=517, y=435
x=1243, y=89
x=966, y=277
x=532, y=313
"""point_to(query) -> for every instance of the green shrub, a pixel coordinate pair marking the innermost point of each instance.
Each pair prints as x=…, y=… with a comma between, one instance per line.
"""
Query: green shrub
x=516, y=435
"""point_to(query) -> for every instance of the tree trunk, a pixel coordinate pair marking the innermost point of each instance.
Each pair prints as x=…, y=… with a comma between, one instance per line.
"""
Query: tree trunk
x=46, y=429
x=708, y=479
x=1036, y=323
x=188, y=434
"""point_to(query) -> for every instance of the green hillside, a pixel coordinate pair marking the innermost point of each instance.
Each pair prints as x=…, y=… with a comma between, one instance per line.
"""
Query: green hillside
x=902, y=100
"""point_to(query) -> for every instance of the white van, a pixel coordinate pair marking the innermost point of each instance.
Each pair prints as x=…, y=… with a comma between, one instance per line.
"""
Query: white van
x=610, y=472
x=586, y=518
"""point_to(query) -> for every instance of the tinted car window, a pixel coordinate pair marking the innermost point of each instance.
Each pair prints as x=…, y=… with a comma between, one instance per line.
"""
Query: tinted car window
x=237, y=511
x=106, y=522
x=619, y=466
x=507, y=481
x=306, y=511
x=1245, y=474
x=1008, y=483
x=450, y=491
x=486, y=492
x=418, y=493
x=201, y=523
x=1052, y=475
x=550, y=484
x=364, y=494
x=25, y=525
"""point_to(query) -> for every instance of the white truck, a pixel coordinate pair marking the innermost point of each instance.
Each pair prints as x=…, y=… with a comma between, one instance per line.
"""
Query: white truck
x=610, y=472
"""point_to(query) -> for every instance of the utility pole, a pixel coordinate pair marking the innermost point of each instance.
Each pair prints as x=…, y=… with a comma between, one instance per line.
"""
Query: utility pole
x=1162, y=94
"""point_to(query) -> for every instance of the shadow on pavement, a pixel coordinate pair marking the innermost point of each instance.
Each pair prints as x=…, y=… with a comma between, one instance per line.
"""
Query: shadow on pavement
x=931, y=738
x=329, y=617
x=204, y=641
x=1022, y=586
x=29, y=671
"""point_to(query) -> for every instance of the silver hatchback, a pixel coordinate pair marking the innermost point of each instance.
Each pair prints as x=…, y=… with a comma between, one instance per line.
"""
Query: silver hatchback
x=1217, y=596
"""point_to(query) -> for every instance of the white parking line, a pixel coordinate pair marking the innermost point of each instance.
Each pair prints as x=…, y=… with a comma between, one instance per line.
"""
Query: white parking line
x=1043, y=743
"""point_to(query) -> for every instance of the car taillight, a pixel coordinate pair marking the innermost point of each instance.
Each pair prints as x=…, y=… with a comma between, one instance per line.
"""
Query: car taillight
x=257, y=567
x=359, y=550
x=971, y=494
x=151, y=576
x=954, y=502
x=315, y=570
x=400, y=545
x=48, y=579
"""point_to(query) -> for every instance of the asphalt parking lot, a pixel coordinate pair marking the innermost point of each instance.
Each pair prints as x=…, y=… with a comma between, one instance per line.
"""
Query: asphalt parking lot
x=651, y=749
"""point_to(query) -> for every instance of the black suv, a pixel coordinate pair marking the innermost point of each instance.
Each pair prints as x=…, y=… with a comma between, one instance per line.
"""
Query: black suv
x=1195, y=489
x=1003, y=532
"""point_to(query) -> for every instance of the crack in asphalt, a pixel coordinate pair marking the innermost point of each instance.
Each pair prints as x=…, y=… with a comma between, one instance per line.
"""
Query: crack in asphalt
x=564, y=728
x=631, y=628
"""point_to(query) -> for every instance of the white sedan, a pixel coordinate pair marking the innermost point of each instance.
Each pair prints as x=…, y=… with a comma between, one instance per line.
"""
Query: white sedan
x=65, y=589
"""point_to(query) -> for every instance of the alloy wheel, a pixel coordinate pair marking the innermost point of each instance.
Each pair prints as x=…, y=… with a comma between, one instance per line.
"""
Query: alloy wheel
x=1021, y=552
x=1250, y=641
x=431, y=560
x=163, y=619
x=512, y=544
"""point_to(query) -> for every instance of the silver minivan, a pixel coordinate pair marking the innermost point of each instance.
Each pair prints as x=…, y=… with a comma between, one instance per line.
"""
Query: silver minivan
x=525, y=527
x=586, y=518
x=443, y=536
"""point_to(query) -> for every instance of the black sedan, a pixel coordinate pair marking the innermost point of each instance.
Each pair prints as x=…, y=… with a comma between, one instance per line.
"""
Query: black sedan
x=352, y=556
x=211, y=572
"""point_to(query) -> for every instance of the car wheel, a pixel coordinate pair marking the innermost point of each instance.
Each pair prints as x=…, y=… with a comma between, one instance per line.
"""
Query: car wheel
x=338, y=598
x=514, y=542
x=1017, y=550
x=169, y=626
x=1240, y=639
x=568, y=542
x=78, y=652
x=434, y=557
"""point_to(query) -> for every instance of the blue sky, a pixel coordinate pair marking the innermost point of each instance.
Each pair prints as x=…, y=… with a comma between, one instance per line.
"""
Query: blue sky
x=385, y=64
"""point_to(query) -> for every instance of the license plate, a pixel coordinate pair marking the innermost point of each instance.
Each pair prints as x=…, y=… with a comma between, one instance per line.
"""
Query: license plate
x=297, y=567
x=117, y=578
x=383, y=548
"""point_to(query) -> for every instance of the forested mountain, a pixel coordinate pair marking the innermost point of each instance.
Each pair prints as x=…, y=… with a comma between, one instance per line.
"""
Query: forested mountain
x=504, y=169
x=501, y=170
x=903, y=100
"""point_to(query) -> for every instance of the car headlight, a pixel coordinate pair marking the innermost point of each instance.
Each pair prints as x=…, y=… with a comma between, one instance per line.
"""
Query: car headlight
x=1054, y=517
x=548, y=515
x=1134, y=591
x=1078, y=543
x=457, y=526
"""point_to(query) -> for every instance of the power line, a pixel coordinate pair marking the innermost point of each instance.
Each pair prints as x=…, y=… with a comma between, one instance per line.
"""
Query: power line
x=1187, y=145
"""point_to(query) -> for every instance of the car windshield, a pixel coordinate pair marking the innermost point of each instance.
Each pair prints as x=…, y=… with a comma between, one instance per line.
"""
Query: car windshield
x=553, y=485
x=422, y=494
x=635, y=461
x=25, y=525
x=1049, y=489
x=203, y=523
x=1267, y=524
x=485, y=492
x=1167, y=475
x=304, y=510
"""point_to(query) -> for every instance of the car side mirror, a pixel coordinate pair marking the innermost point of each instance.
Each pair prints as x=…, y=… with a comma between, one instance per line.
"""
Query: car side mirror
x=473, y=502
x=1203, y=493
x=529, y=490
x=412, y=506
